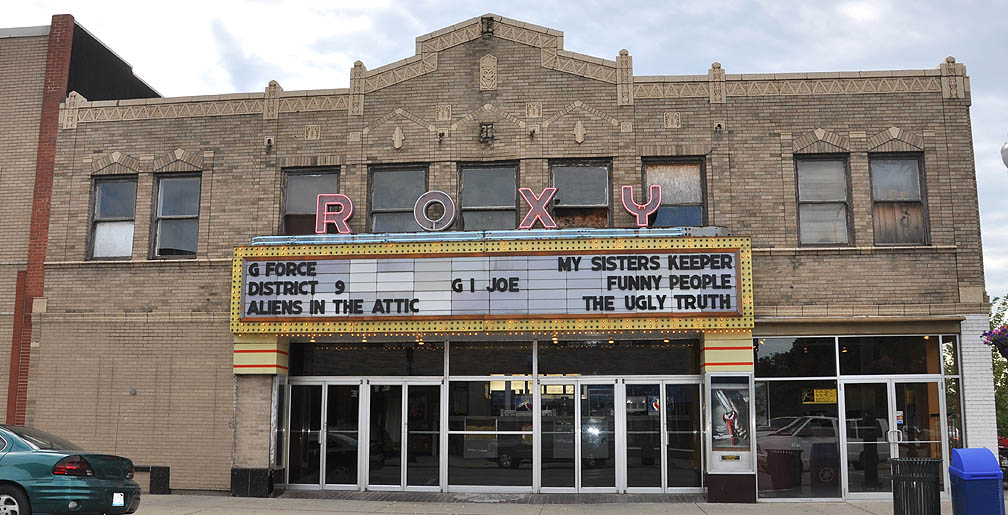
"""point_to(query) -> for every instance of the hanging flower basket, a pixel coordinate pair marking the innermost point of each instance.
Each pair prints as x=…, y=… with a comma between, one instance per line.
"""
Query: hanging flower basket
x=998, y=337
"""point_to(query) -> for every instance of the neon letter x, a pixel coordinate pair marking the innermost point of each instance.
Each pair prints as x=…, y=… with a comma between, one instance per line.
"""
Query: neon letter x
x=537, y=208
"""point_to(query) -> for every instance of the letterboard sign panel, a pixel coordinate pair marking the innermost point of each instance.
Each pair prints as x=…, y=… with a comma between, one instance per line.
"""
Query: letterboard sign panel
x=335, y=292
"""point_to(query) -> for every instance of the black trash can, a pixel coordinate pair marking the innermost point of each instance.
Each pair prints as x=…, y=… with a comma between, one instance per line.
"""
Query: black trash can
x=916, y=486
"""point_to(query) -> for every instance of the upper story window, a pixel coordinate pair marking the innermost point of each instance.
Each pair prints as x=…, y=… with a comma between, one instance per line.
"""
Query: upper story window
x=176, y=223
x=112, y=217
x=301, y=191
x=488, y=197
x=394, y=192
x=898, y=200
x=823, y=201
x=682, y=202
x=582, y=197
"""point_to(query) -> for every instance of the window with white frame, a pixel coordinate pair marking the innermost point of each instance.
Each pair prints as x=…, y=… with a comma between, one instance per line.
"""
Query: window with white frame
x=176, y=216
x=823, y=201
x=112, y=217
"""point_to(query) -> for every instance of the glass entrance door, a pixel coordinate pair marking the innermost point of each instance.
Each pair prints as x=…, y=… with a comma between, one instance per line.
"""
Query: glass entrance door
x=578, y=429
x=663, y=440
x=342, y=417
x=305, y=440
x=404, y=428
x=884, y=420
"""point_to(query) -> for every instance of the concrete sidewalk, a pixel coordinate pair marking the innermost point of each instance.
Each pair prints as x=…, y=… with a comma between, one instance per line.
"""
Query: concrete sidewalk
x=490, y=504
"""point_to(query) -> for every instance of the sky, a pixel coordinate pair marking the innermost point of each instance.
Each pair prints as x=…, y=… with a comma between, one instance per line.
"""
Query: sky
x=187, y=48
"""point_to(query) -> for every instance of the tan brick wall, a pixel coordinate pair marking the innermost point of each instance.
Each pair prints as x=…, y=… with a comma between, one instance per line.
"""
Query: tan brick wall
x=22, y=66
x=85, y=367
x=163, y=324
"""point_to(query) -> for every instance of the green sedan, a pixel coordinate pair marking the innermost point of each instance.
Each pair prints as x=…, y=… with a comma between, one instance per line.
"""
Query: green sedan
x=43, y=473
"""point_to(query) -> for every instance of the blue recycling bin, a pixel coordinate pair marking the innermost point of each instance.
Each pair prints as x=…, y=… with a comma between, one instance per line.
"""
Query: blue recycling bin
x=976, y=483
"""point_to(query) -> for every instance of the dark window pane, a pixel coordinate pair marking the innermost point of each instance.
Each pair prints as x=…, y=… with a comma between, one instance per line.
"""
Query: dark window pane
x=396, y=189
x=490, y=406
x=682, y=423
x=898, y=222
x=341, y=434
x=115, y=199
x=823, y=223
x=558, y=442
x=797, y=439
x=621, y=357
x=680, y=182
x=581, y=186
x=821, y=180
x=643, y=440
x=385, y=442
x=490, y=460
x=490, y=358
x=177, y=237
x=795, y=357
x=179, y=196
x=476, y=220
x=394, y=222
x=890, y=355
x=303, y=191
x=598, y=435
x=367, y=359
x=678, y=216
x=895, y=179
x=488, y=187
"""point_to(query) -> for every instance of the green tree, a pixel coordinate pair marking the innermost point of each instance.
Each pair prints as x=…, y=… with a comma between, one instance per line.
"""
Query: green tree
x=999, y=317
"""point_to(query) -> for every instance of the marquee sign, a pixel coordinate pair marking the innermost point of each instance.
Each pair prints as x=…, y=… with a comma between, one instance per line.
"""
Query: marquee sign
x=528, y=286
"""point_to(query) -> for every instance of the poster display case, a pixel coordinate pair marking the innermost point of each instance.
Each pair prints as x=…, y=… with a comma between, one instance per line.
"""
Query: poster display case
x=730, y=423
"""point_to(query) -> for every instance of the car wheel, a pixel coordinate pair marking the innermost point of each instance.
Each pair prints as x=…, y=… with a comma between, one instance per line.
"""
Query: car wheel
x=506, y=461
x=13, y=501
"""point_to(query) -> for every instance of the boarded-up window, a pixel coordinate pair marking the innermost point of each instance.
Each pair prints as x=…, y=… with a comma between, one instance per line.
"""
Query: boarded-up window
x=898, y=201
x=682, y=194
x=301, y=198
x=112, y=223
x=582, y=197
x=488, y=198
x=823, y=202
x=393, y=195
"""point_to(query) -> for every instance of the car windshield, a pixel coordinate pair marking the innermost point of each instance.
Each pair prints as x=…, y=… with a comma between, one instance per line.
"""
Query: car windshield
x=43, y=441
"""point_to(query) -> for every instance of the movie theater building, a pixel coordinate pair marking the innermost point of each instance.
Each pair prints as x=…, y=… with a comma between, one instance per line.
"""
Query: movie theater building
x=499, y=265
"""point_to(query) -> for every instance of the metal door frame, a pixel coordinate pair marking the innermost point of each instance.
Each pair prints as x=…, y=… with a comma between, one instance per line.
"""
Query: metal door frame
x=365, y=425
x=663, y=382
x=619, y=429
x=890, y=383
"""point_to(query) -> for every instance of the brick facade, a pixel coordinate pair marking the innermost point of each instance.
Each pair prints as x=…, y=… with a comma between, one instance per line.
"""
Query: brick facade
x=160, y=327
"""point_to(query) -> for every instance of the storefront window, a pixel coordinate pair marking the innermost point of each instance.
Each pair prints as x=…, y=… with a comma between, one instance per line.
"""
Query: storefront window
x=797, y=439
x=367, y=359
x=794, y=357
x=490, y=358
x=637, y=357
x=950, y=355
x=490, y=433
x=881, y=355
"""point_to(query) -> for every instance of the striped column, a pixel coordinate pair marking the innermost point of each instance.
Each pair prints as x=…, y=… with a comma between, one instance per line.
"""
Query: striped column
x=260, y=354
x=727, y=351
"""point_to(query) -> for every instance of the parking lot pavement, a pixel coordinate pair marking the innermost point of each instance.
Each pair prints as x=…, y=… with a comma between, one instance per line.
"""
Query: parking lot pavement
x=214, y=505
